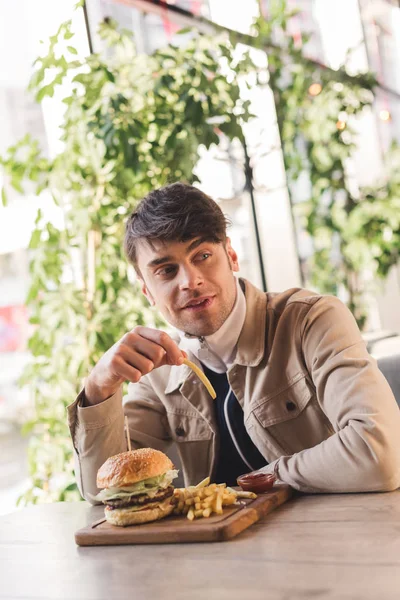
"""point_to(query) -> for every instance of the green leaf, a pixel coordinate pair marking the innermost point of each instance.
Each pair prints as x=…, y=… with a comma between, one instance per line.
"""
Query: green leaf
x=4, y=196
x=38, y=216
x=185, y=30
x=16, y=183
x=35, y=239
x=72, y=50
x=46, y=90
x=71, y=487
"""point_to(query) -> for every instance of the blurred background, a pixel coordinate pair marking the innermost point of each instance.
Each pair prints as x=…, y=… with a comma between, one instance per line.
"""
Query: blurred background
x=286, y=112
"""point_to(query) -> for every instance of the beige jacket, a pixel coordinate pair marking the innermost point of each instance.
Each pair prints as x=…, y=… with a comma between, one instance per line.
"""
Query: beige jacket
x=315, y=404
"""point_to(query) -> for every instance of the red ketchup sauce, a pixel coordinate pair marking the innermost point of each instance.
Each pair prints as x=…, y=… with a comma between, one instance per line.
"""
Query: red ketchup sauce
x=256, y=482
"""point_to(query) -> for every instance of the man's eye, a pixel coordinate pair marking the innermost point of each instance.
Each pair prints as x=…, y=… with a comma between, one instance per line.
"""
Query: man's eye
x=166, y=271
x=204, y=255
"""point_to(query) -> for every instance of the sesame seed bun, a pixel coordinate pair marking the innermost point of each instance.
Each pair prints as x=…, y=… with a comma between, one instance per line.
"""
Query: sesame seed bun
x=127, y=468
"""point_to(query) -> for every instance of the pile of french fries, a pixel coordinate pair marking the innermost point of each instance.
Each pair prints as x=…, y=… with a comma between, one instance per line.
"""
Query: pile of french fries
x=203, y=499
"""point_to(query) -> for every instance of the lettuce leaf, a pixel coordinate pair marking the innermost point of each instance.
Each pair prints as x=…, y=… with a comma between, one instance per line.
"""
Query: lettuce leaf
x=148, y=486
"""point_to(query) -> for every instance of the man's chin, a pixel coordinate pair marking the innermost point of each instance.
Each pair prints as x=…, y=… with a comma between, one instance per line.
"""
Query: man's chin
x=202, y=324
x=202, y=331
x=199, y=328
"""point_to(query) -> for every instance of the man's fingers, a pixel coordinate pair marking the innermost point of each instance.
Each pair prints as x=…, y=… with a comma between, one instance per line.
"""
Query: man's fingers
x=153, y=352
x=136, y=354
x=174, y=354
x=126, y=371
x=136, y=360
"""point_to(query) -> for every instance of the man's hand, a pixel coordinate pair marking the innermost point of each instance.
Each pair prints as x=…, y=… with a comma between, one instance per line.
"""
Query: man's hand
x=136, y=354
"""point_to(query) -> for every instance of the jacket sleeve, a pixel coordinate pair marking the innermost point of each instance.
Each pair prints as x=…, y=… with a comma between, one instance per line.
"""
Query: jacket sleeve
x=97, y=432
x=363, y=455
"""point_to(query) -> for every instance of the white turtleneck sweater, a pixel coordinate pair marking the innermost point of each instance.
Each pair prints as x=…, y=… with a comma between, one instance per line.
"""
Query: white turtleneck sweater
x=218, y=351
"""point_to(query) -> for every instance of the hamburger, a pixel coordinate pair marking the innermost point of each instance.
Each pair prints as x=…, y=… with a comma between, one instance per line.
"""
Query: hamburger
x=136, y=487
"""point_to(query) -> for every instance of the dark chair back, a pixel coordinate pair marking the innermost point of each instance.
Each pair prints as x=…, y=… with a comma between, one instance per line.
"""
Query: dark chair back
x=390, y=367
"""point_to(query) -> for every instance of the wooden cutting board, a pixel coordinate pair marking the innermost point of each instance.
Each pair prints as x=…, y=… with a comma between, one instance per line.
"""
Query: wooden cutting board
x=175, y=529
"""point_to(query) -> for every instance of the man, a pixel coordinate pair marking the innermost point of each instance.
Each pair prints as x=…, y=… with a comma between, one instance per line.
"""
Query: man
x=297, y=392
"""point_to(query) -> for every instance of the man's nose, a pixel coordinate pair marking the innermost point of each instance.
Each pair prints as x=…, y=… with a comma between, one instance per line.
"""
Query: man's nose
x=190, y=278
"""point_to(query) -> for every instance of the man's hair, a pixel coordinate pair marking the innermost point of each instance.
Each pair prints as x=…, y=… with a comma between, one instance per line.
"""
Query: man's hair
x=176, y=212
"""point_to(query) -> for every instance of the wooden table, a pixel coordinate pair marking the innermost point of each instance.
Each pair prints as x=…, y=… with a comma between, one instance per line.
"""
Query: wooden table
x=315, y=547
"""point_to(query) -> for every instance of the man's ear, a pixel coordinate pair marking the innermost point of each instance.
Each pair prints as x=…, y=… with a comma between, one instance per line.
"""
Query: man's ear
x=232, y=256
x=146, y=292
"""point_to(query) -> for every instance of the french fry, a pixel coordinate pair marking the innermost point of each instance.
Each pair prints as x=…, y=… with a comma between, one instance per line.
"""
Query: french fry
x=203, y=483
x=243, y=494
x=228, y=499
x=204, y=499
x=201, y=376
x=218, y=504
x=190, y=515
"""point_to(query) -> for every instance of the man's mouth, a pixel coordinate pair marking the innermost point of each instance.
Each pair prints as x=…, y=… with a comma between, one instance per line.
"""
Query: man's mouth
x=198, y=304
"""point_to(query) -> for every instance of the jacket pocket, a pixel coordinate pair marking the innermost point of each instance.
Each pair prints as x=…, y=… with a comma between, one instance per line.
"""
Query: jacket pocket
x=188, y=428
x=293, y=417
x=285, y=405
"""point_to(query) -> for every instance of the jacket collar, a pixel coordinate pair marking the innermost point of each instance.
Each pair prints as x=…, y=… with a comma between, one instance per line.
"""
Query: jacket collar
x=251, y=342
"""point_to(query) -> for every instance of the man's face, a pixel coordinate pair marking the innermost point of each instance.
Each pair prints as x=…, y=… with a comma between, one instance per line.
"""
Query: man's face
x=191, y=283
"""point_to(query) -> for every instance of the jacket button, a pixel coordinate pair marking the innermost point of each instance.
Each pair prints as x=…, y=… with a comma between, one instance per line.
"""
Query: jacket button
x=290, y=406
x=180, y=432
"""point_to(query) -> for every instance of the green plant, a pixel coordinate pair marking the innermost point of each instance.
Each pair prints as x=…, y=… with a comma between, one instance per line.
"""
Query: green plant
x=131, y=123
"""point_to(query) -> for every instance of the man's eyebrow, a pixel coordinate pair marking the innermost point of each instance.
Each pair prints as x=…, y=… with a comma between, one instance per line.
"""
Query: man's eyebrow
x=160, y=261
x=168, y=258
x=197, y=243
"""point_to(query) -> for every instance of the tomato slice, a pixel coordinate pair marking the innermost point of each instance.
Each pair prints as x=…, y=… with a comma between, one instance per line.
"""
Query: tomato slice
x=256, y=482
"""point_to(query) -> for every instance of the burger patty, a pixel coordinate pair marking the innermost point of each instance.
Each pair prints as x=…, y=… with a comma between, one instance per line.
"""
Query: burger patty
x=140, y=499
